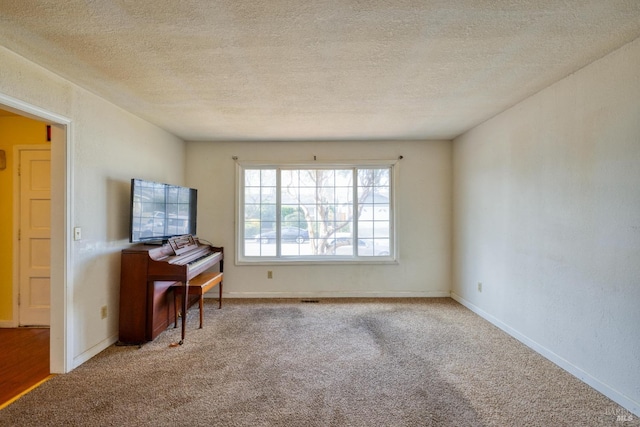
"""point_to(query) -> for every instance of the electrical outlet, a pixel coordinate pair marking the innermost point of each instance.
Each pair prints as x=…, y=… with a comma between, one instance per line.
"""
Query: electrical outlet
x=269, y=274
x=479, y=286
x=103, y=311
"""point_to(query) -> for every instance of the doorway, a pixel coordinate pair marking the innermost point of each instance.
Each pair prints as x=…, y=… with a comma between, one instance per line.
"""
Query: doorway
x=60, y=359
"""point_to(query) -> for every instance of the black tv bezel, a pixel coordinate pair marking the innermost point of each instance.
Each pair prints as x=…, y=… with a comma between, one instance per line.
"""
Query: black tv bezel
x=159, y=239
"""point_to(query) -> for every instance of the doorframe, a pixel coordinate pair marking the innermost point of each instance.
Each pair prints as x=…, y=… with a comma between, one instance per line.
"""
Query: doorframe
x=17, y=149
x=60, y=348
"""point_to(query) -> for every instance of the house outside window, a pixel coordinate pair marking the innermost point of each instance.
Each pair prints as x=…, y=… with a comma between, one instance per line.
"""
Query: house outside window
x=316, y=213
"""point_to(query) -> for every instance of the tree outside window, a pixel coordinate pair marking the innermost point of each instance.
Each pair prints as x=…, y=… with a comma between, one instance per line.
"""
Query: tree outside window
x=316, y=212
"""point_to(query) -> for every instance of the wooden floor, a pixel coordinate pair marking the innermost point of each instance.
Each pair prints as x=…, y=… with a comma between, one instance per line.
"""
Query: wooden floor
x=24, y=360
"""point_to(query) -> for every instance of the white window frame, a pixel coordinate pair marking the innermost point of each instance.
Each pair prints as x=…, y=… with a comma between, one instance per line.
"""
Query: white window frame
x=241, y=259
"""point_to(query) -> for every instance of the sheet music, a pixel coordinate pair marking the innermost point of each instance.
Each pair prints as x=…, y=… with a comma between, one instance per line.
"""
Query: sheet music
x=182, y=244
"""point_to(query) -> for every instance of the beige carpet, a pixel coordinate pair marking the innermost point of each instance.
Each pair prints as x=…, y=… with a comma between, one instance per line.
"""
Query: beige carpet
x=350, y=362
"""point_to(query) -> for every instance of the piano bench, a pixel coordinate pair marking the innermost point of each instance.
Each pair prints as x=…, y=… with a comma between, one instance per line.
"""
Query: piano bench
x=199, y=285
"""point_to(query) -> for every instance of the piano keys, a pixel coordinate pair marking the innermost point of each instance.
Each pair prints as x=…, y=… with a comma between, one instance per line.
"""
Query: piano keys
x=147, y=275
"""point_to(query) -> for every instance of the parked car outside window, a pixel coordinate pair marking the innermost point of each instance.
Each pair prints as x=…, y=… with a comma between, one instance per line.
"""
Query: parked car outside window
x=289, y=234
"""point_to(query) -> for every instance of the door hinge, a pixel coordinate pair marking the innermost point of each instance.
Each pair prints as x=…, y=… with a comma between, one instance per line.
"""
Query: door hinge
x=19, y=234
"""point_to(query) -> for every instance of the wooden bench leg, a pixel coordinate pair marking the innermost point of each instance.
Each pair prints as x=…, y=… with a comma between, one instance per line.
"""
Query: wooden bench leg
x=220, y=297
x=175, y=308
x=201, y=309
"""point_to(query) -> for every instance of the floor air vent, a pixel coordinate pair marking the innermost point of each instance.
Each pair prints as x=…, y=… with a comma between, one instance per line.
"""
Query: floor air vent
x=310, y=300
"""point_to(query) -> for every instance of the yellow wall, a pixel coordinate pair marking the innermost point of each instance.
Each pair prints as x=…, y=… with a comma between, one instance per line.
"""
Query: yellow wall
x=14, y=130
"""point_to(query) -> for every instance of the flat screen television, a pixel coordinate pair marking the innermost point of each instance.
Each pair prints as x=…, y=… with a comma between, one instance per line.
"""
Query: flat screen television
x=161, y=211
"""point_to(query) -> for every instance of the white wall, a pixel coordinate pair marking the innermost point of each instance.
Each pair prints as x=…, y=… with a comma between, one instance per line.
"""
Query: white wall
x=108, y=147
x=547, y=217
x=424, y=219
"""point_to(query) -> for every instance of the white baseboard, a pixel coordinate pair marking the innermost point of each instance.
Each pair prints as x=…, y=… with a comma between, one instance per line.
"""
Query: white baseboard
x=583, y=376
x=332, y=294
x=102, y=345
x=8, y=324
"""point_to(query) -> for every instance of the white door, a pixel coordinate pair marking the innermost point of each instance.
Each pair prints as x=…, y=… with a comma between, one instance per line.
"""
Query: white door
x=35, y=237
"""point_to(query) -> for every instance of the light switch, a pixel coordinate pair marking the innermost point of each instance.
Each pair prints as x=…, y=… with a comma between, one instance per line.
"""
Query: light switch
x=77, y=233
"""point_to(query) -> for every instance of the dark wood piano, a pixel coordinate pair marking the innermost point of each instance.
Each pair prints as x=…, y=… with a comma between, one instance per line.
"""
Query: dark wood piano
x=147, y=275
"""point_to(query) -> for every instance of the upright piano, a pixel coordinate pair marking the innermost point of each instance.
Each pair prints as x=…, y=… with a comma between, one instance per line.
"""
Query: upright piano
x=148, y=272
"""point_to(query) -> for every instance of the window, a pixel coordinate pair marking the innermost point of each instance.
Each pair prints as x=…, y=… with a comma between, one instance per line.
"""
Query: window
x=315, y=213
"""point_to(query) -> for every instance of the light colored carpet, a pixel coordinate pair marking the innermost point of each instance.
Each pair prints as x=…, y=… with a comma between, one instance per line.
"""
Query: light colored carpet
x=337, y=362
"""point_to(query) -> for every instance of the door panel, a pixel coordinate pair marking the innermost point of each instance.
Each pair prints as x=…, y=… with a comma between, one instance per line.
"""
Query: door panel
x=35, y=237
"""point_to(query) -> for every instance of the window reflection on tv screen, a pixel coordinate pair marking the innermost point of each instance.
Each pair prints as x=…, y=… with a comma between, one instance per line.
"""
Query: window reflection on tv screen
x=160, y=211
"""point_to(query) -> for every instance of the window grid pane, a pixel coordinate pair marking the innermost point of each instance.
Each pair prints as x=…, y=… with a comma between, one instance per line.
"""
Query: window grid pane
x=374, y=224
x=310, y=213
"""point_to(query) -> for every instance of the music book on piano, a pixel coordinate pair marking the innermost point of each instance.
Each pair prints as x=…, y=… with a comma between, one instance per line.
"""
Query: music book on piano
x=182, y=244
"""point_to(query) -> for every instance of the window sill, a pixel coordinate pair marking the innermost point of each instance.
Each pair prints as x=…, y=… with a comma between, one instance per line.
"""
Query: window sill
x=308, y=262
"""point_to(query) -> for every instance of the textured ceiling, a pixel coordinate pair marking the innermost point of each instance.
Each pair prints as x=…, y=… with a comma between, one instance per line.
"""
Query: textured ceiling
x=321, y=70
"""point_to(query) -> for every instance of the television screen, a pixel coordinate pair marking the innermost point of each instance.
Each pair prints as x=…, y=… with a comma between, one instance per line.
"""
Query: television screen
x=160, y=211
